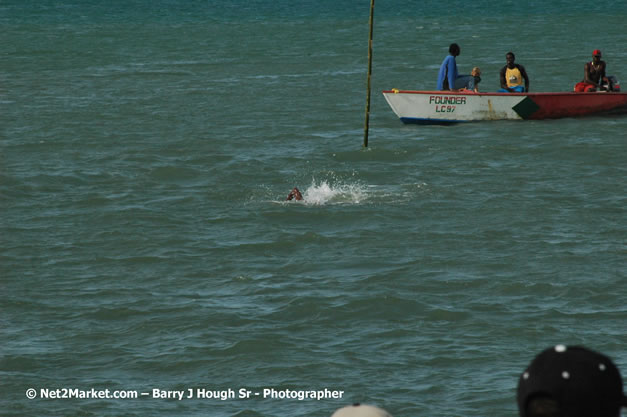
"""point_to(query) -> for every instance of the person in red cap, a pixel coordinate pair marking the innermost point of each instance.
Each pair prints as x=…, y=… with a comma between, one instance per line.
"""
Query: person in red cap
x=593, y=75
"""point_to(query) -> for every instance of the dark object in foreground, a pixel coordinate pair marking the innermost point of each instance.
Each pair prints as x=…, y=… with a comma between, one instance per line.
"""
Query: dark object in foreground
x=571, y=381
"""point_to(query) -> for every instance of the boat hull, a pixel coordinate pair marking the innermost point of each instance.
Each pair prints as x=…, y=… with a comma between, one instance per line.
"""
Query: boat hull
x=437, y=107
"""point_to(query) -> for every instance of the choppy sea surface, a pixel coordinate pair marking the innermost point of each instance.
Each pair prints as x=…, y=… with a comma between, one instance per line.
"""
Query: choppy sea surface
x=146, y=150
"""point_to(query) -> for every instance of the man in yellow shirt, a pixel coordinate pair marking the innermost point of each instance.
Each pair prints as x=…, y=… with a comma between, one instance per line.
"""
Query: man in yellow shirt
x=512, y=76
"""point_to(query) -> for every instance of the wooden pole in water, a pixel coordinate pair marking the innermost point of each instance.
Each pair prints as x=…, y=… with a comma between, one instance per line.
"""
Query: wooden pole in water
x=369, y=73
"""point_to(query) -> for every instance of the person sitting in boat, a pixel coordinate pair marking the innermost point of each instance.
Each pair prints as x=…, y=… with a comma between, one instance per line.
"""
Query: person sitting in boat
x=448, y=78
x=594, y=77
x=472, y=81
x=512, y=76
x=294, y=195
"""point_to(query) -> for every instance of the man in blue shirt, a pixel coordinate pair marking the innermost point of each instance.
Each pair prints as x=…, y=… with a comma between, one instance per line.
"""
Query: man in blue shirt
x=448, y=70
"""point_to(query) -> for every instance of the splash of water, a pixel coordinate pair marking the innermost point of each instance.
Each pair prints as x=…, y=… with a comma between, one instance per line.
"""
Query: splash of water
x=325, y=193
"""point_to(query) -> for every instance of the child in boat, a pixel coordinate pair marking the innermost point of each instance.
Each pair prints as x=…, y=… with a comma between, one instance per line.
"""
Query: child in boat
x=471, y=82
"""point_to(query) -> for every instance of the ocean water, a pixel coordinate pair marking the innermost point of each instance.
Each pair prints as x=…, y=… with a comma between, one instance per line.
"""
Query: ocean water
x=146, y=151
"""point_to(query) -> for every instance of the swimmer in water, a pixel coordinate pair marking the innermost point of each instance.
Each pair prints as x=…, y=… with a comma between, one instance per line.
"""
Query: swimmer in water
x=294, y=195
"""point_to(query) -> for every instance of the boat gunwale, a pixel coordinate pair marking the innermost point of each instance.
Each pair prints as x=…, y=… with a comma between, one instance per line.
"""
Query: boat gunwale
x=472, y=93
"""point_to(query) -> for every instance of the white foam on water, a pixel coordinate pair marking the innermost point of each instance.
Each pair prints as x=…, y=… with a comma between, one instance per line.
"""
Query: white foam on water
x=335, y=192
x=318, y=194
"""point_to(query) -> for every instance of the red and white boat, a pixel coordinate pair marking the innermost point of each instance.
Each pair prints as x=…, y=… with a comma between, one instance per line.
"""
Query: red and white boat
x=445, y=107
